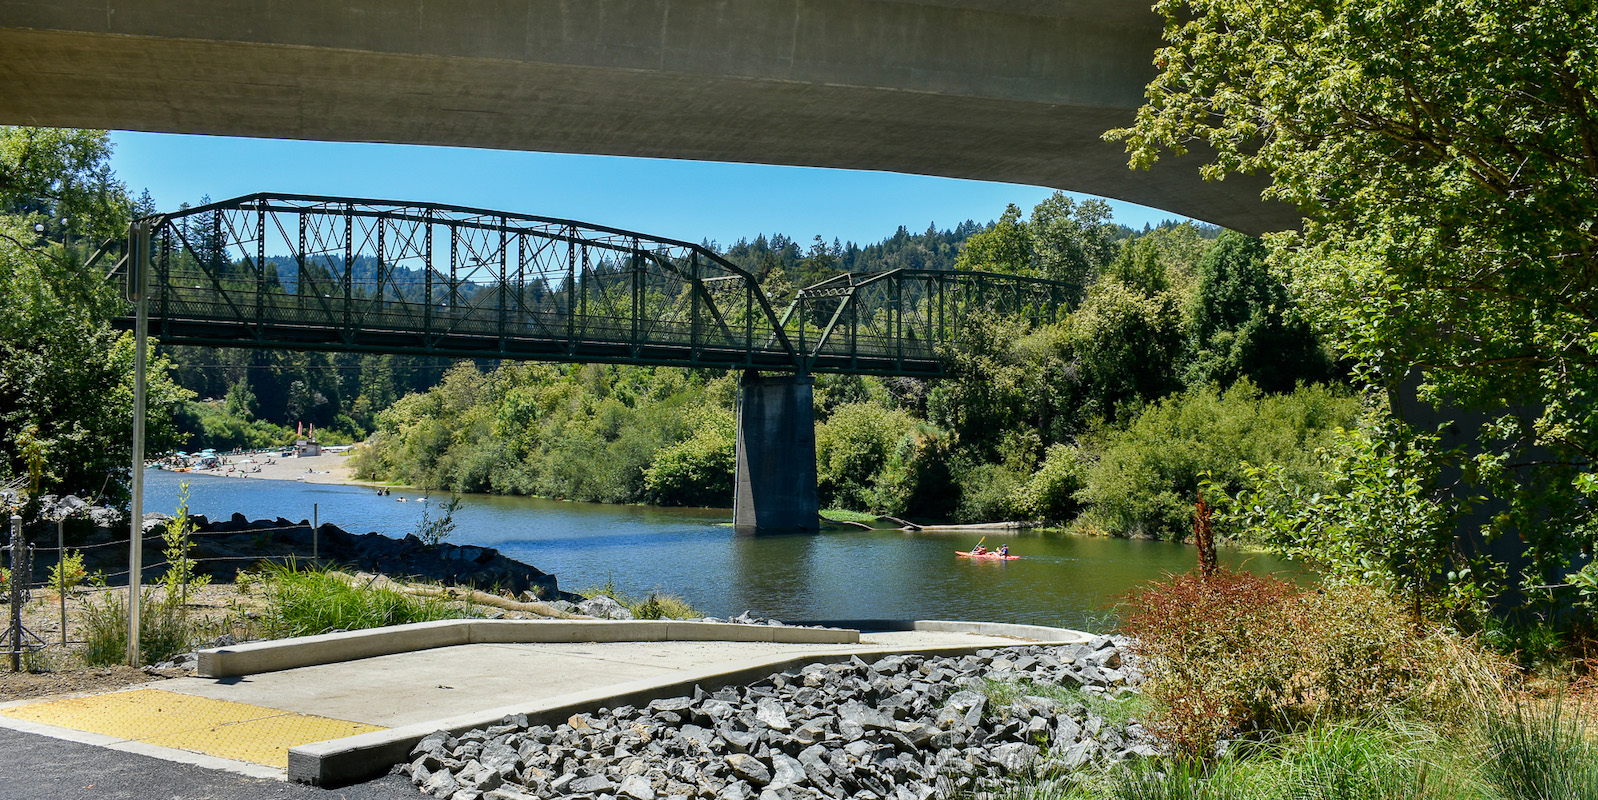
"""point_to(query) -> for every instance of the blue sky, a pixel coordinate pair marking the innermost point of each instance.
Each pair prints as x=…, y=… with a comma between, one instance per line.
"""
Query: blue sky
x=691, y=200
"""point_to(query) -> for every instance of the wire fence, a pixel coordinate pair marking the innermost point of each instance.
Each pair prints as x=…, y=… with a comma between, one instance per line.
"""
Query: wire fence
x=54, y=554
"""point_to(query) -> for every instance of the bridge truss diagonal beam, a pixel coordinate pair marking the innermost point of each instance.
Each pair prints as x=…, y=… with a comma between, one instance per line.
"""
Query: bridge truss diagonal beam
x=331, y=273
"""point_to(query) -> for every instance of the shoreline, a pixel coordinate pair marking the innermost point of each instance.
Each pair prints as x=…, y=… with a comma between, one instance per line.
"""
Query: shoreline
x=331, y=468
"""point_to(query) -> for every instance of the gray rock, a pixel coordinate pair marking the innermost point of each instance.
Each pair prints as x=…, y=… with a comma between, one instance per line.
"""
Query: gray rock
x=749, y=768
x=439, y=784
x=604, y=608
x=786, y=771
x=737, y=790
x=637, y=787
x=1015, y=756
x=769, y=712
x=591, y=784
x=508, y=792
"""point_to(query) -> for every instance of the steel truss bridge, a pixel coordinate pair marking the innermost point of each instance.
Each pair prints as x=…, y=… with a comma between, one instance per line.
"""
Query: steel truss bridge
x=330, y=273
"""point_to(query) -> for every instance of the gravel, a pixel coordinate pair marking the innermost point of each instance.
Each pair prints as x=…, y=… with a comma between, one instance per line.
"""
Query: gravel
x=904, y=727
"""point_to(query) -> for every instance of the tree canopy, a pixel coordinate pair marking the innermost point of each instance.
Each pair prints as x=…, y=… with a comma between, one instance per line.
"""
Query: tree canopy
x=66, y=378
x=1445, y=158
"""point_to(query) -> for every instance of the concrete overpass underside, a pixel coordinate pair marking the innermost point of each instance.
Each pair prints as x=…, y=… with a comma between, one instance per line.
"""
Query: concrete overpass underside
x=999, y=90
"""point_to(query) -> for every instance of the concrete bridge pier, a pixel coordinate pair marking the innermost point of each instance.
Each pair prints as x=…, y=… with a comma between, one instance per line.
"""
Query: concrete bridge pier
x=776, y=488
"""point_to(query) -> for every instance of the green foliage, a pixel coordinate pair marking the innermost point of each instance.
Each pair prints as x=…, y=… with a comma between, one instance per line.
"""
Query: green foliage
x=1540, y=753
x=1005, y=247
x=990, y=493
x=1245, y=326
x=1375, y=515
x=853, y=448
x=1051, y=492
x=65, y=375
x=240, y=402
x=1147, y=475
x=1128, y=346
x=918, y=477
x=68, y=573
x=1448, y=237
x=306, y=602
x=434, y=529
x=697, y=471
x=1237, y=651
x=202, y=425
x=582, y=433
x=164, y=629
x=179, y=574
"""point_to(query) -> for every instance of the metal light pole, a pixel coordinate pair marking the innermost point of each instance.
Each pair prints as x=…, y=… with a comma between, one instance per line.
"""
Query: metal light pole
x=138, y=285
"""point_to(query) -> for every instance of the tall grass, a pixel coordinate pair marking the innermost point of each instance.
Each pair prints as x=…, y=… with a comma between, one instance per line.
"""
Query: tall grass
x=1537, y=753
x=308, y=601
x=164, y=629
x=657, y=605
x=1519, y=752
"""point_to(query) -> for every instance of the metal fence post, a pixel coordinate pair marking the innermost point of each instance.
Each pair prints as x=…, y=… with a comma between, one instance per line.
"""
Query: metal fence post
x=138, y=282
x=20, y=576
x=316, y=530
x=61, y=572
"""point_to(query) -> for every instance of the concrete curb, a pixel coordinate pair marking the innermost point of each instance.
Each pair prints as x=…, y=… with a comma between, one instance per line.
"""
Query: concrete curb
x=305, y=651
x=338, y=762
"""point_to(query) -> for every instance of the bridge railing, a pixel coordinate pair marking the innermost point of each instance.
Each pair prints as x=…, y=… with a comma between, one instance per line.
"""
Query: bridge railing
x=299, y=271
x=895, y=321
x=306, y=272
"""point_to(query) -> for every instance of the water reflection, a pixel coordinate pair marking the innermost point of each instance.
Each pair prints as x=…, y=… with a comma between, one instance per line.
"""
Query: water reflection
x=695, y=553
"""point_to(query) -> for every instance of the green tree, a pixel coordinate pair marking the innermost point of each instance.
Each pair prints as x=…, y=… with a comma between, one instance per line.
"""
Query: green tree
x=241, y=402
x=1442, y=156
x=64, y=373
x=1006, y=247
x=1128, y=347
x=1244, y=324
x=1072, y=241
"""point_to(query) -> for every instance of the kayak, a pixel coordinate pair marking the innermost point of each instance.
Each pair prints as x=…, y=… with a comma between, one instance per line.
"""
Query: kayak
x=995, y=556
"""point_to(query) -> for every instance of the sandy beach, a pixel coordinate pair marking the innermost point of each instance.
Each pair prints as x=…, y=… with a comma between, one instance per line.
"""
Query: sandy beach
x=326, y=468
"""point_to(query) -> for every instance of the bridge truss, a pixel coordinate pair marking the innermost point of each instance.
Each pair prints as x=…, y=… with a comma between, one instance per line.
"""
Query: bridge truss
x=306, y=272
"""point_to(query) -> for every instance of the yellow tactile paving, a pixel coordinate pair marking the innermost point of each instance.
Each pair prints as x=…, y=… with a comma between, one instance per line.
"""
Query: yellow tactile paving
x=262, y=741
x=215, y=727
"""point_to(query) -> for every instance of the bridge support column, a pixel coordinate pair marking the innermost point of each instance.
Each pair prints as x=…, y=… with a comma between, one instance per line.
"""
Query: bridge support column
x=776, y=488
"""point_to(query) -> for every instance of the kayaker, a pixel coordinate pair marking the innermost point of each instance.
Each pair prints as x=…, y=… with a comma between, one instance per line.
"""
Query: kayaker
x=1004, y=549
x=979, y=550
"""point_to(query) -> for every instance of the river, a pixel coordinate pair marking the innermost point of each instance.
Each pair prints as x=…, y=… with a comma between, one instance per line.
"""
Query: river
x=694, y=553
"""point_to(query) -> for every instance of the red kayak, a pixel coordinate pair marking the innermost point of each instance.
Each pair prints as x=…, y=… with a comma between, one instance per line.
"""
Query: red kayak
x=994, y=556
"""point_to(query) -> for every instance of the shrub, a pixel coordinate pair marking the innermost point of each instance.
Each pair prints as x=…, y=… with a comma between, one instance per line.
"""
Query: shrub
x=1051, y=491
x=697, y=471
x=990, y=493
x=306, y=602
x=164, y=629
x=1148, y=473
x=68, y=573
x=1245, y=652
x=852, y=449
x=180, y=575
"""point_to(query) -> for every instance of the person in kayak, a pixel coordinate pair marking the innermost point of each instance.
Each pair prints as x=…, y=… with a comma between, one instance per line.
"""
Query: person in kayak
x=1004, y=549
x=979, y=550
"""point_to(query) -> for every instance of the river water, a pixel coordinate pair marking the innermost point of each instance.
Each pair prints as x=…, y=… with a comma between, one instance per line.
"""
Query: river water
x=694, y=553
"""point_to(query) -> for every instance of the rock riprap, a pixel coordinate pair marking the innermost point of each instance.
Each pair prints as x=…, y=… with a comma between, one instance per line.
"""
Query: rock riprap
x=905, y=727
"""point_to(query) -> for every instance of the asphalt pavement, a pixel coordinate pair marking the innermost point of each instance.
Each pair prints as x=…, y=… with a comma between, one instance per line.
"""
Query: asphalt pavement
x=36, y=767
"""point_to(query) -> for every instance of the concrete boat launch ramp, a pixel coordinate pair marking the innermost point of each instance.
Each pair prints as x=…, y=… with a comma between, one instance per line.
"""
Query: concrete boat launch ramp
x=341, y=708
